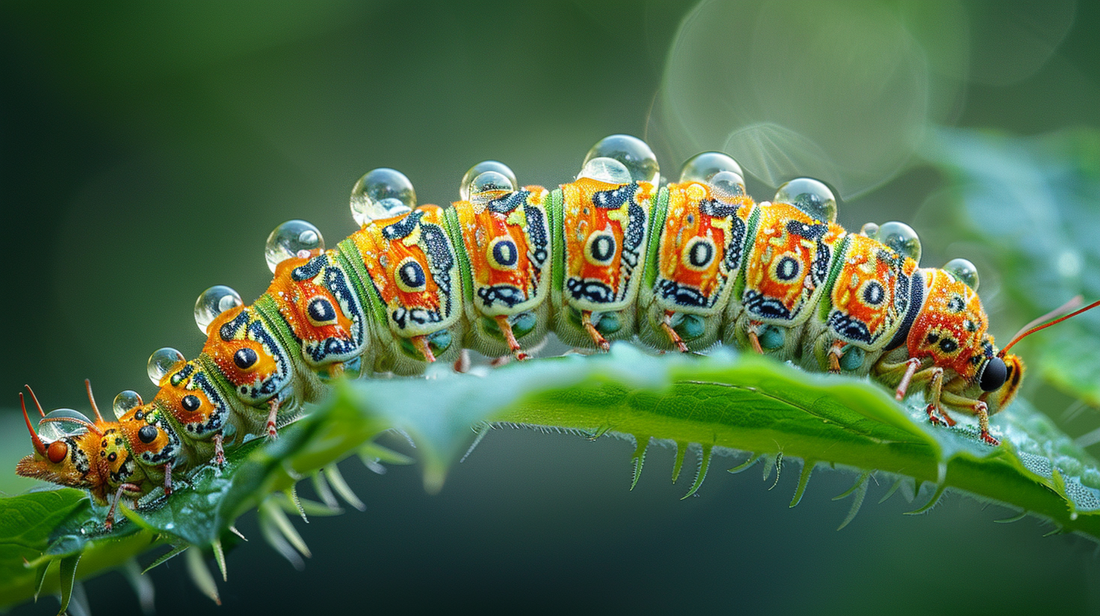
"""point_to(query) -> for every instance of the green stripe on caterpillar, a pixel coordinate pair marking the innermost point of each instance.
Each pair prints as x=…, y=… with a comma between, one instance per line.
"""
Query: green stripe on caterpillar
x=613, y=255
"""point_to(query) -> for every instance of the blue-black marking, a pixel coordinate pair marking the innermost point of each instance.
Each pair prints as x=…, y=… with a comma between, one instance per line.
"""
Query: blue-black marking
x=764, y=306
x=505, y=253
x=916, y=298
x=404, y=227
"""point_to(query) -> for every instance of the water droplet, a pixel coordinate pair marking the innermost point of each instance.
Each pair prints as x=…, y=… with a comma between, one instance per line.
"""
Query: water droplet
x=901, y=237
x=464, y=188
x=214, y=301
x=488, y=186
x=125, y=402
x=809, y=195
x=161, y=362
x=728, y=184
x=293, y=238
x=62, y=423
x=630, y=152
x=869, y=229
x=702, y=167
x=606, y=170
x=963, y=271
x=381, y=193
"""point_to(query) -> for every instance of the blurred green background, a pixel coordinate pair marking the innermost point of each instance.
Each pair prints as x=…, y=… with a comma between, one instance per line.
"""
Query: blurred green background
x=148, y=149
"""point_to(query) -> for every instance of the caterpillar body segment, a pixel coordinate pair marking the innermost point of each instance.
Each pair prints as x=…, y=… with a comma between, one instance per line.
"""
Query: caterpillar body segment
x=412, y=267
x=608, y=256
x=696, y=250
x=870, y=294
x=506, y=268
x=605, y=227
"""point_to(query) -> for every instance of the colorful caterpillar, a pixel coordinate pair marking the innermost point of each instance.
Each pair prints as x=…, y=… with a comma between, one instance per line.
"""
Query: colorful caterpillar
x=610, y=256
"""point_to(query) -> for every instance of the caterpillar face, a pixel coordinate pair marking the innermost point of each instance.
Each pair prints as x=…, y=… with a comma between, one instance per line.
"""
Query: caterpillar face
x=66, y=461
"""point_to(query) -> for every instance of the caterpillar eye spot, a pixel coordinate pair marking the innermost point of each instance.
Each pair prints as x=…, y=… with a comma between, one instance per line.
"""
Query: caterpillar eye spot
x=503, y=254
x=321, y=312
x=147, y=434
x=787, y=268
x=698, y=254
x=873, y=293
x=190, y=403
x=947, y=345
x=245, y=358
x=600, y=249
x=410, y=276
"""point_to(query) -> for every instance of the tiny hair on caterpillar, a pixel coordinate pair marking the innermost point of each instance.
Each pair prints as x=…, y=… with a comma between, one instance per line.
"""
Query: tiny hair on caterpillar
x=617, y=254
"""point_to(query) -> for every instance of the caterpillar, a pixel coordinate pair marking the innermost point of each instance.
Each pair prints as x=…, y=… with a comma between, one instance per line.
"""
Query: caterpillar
x=614, y=255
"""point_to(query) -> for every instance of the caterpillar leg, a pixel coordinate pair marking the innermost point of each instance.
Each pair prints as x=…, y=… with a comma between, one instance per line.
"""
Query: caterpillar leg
x=421, y=344
x=272, y=433
x=168, y=479
x=126, y=487
x=977, y=407
x=506, y=329
x=219, y=450
x=835, y=352
x=935, y=390
x=462, y=364
x=597, y=337
x=754, y=336
x=666, y=324
x=911, y=366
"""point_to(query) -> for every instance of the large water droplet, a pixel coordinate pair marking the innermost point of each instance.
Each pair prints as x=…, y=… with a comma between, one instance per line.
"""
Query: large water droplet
x=631, y=152
x=606, y=170
x=702, y=167
x=902, y=238
x=214, y=301
x=465, y=188
x=62, y=423
x=125, y=402
x=162, y=362
x=809, y=195
x=869, y=229
x=963, y=271
x=727, y=184
x=293, y=238
x=381, y=193
x=488, y=186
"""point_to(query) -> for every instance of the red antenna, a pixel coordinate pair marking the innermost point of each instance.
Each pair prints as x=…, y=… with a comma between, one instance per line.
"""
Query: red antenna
x=40, y=411
x=1034, y=326
x=98, y=417
x=39, y=446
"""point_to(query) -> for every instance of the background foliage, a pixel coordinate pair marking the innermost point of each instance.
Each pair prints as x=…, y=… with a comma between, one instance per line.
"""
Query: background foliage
x=147, y=150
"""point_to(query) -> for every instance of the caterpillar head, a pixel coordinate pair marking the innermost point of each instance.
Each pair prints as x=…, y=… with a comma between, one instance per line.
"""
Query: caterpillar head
x=68, y=459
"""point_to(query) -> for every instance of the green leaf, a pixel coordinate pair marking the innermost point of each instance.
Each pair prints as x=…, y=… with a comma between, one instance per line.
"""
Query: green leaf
x=711, y=404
